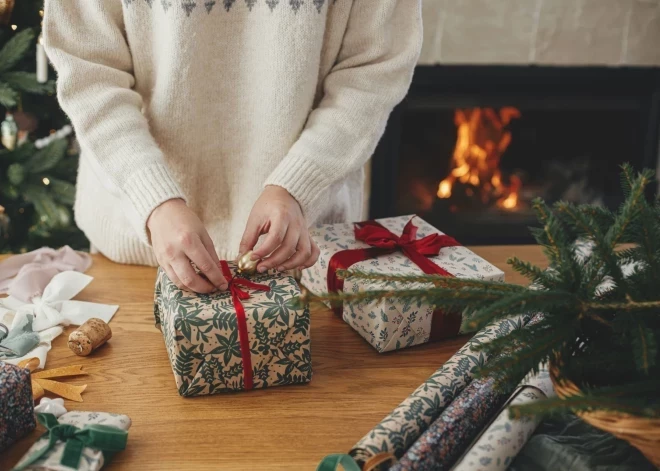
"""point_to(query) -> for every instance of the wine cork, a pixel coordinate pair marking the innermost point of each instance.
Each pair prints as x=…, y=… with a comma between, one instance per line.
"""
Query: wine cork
x=89, y=336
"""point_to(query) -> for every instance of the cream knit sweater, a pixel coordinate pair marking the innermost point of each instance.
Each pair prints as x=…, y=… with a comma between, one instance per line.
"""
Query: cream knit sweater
x=210, y=100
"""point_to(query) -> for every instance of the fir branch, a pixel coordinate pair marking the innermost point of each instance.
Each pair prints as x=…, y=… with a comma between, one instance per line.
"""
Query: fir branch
x=536, y=275
x=580, y=404
x=8, y=96
x=27, y=82
x=437, y=280
x=629, y=306
x=15, y=49
x=528, y=301
x=645, y=347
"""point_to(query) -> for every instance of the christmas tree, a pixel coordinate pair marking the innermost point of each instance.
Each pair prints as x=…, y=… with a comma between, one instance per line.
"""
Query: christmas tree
x=600, y=305
x=38, y=160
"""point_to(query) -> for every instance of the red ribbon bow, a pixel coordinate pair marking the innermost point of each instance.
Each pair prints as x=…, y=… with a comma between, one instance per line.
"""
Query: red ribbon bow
x=382, y=241
x=237, y=296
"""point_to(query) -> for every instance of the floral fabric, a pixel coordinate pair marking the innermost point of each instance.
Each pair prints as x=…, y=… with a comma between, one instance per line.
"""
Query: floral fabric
x=92, y=459
x=391, y=325
x=202, y=338
x=16, y=404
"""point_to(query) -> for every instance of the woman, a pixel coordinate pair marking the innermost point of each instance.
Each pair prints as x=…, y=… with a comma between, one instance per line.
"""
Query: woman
x=206, y=124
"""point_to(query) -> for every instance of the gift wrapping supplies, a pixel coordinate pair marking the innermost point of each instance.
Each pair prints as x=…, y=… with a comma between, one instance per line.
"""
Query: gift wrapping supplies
x=395, y=246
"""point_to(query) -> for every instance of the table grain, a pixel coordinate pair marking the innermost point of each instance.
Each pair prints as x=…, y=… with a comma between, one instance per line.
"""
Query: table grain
x=283, y=428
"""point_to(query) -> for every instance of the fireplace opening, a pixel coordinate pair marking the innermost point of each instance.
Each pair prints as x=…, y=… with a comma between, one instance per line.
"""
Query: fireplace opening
x=468, y=150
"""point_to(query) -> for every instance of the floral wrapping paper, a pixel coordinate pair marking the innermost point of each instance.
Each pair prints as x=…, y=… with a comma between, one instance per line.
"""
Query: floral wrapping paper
x=446, y=439
x=391, y=324
x=16, y=404
x=202, y=338
x=399, y=430
x=498, y=445
x=92, y=459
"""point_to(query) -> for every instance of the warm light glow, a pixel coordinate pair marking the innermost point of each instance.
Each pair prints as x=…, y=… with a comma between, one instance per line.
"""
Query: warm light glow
x=46, y=181
x=481, y=139
x=444, y=191
x=14, y=27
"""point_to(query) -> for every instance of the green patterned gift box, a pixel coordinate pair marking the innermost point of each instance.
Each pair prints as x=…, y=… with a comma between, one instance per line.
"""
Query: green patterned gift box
x=251, y=336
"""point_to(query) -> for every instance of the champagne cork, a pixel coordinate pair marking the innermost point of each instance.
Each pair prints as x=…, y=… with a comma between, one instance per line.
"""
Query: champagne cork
x=89, y=336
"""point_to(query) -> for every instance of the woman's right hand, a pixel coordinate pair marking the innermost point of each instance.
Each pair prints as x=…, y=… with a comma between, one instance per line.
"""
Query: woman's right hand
x=178, y=238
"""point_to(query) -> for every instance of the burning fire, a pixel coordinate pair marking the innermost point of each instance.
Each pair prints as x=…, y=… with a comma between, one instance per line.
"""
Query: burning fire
x=482, y=139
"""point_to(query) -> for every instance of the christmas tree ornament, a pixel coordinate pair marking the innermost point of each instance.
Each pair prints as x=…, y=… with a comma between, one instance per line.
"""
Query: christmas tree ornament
x=42, y=61
x=9, y=131
x=89, y=336
x=245, y=264
x=41, y=381
x=6, y=8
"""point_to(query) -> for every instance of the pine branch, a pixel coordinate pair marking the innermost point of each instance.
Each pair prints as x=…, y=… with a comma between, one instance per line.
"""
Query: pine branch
x=8, y=96
x=437, y=280
x=645, y=347
x=580, y=404
x=537, y=276
x=27, y=82
x=15, y=49
x=47, y=157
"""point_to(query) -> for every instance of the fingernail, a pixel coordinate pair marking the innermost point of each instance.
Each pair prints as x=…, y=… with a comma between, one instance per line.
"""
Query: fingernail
x=280, y=268
x=224, y=287
x=262, y=269
x=254, y=256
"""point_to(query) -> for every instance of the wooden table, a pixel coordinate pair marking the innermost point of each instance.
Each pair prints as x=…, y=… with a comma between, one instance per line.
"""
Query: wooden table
x=287, y=428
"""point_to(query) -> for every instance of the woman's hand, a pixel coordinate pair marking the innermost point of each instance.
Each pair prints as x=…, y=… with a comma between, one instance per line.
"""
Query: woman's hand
x=178, y=238
x=288, y=244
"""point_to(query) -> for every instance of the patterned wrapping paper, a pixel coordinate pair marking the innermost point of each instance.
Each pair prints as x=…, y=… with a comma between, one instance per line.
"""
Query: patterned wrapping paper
x=391, y=324
x=202, y=338
x=396, y=432
x=500, y=442
x=16, y=404
x=92, y=459
x=446, y=439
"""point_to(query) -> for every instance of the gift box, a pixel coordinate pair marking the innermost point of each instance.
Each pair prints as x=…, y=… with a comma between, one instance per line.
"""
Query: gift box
x=396, y=246
x=83, y=441
x=251, y=336
x=16, y=404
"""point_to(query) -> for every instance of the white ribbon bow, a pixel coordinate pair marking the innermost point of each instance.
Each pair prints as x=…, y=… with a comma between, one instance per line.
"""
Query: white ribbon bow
x=55, y=306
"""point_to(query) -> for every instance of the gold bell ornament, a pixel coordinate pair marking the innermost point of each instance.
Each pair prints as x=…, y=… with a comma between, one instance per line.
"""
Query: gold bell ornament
x=247, y=266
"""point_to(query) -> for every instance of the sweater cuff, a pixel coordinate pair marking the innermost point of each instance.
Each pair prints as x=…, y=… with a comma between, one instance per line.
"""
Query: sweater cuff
x=304, y=181
x=146, y=190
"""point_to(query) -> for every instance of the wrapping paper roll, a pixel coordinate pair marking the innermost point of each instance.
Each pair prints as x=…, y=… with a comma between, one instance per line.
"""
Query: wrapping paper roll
x=448, y=437
x=498, y=445
x=396, y=432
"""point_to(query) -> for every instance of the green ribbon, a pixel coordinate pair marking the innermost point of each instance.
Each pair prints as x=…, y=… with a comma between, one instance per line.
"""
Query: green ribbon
x=332, y=462
x=105, y=438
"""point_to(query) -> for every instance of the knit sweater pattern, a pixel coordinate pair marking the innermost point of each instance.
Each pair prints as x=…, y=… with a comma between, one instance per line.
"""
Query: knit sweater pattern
x=211, y=100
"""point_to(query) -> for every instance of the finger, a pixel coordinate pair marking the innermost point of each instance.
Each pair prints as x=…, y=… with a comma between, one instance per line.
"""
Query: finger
x=313, y=258
x=286, y=249
x=172, y=276
x=204, y=256
x=250, y=236
x=273, y=240
x=189, y=278
x=303, y=252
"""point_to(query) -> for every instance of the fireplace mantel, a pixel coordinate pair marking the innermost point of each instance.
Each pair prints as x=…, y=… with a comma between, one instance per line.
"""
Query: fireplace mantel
x=542, y=32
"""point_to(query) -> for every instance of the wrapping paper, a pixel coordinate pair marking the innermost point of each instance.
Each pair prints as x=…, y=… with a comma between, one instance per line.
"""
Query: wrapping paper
x=203, y=342
x=500, y=442
x=52, y=310
x=92, y=459
x=16, y=406
x=391, y=324
x=446, y=439
x=396, y=432
x=26, y=275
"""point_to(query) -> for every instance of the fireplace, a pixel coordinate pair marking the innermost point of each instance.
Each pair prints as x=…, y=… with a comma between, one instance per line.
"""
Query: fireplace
x=471, y=146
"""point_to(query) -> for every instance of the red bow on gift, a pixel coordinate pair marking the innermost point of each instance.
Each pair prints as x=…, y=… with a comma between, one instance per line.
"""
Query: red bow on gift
x=237, y=296
x=382, y=241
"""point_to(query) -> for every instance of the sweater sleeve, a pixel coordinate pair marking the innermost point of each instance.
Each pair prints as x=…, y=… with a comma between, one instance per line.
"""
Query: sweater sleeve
x=84, y=40
x=372, y=74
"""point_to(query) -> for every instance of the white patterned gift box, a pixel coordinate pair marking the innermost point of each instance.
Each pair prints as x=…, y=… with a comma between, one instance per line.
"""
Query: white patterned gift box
x=204, y=343
x=390, y=324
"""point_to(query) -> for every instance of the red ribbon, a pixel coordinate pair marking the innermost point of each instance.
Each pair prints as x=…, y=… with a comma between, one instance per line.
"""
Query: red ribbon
x=382, y=242
x=237, y=296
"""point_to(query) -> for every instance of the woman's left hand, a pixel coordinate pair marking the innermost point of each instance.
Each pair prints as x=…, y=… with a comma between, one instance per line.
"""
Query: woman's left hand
x=288, y=244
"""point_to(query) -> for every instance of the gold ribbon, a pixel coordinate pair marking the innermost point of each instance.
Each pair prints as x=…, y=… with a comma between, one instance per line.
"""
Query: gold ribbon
x=41, y=382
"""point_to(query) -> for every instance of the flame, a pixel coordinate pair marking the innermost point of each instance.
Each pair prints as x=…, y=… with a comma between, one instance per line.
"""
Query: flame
x=481, y=141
